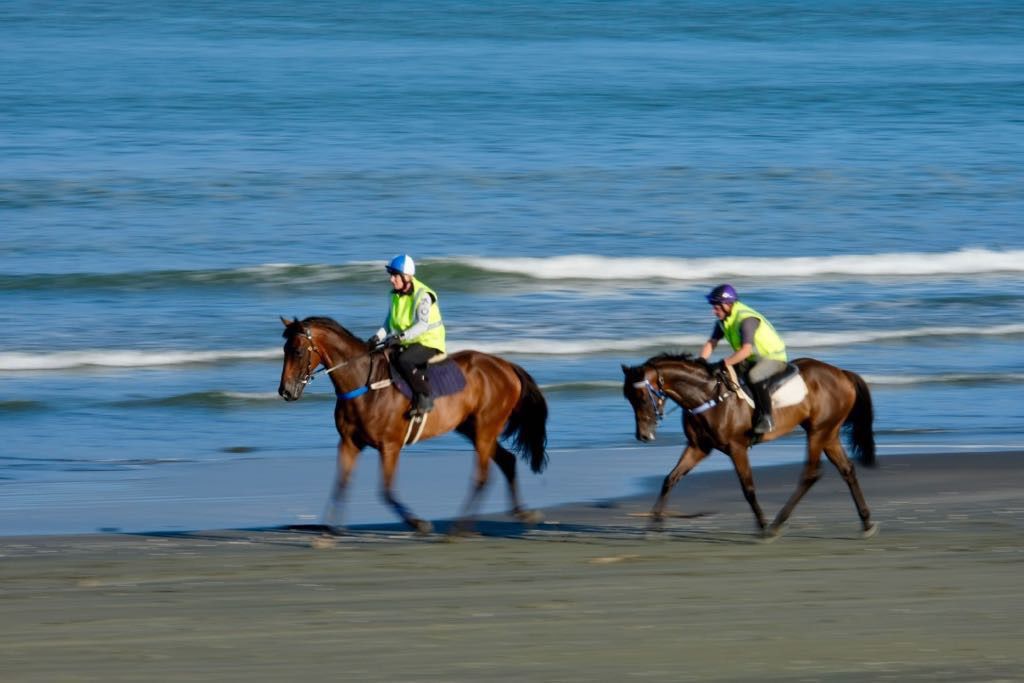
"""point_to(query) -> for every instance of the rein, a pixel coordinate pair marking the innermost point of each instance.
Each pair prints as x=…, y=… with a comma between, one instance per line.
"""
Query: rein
x=658, y=395
x=312, y=374
x=714, y=400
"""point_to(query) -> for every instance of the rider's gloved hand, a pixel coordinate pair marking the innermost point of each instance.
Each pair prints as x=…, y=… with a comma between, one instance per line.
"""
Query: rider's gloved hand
x=717, y=367
x=373, y=342
x=392, y=341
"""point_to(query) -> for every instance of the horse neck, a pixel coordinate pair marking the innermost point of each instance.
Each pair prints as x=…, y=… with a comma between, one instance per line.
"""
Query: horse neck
x=342, y=349
x=687, y=384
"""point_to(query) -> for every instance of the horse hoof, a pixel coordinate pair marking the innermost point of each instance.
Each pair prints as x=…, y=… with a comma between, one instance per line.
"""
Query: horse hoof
x=456, y=533
x=422, y=527
x=329, y=531
x=529, y=516
x=324, y=542
x=656, y=523
x=870, y=530
x=771, y=534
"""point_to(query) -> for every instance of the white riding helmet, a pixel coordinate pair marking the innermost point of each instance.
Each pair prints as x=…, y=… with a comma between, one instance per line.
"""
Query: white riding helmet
x=401, y=265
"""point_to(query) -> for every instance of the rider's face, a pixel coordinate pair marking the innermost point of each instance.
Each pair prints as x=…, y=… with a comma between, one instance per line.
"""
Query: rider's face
x=721, y=311
x=398, y=282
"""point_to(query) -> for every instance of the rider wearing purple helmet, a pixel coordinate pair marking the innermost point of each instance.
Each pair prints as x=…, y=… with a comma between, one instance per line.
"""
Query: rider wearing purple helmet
x=757, y=348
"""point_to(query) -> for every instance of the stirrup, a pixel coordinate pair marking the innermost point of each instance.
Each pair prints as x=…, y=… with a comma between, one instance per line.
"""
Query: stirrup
x=417, y=421
x=764, y=425
x=423, y=405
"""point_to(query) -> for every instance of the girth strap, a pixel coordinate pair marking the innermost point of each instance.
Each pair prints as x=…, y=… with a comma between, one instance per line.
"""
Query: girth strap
x=421, y=421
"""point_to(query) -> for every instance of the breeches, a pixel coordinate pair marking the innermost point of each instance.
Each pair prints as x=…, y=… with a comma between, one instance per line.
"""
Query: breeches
x=414, y=356
x=765, y=369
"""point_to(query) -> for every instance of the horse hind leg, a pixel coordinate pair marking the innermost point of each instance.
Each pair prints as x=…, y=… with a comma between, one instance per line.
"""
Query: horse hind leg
x=837, y=456
x=810, y=474
x=506, y=462
x=485, y=446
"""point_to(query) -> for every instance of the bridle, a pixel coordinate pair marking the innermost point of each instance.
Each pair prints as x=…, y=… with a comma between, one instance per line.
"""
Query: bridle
x=656, y=395
x=310, y=348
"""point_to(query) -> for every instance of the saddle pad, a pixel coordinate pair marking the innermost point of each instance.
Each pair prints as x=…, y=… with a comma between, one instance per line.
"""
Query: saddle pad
x=445, y=378
x=790, y=392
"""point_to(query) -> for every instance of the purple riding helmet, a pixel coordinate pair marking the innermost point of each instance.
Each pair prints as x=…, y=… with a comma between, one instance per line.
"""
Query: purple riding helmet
x=723, y=294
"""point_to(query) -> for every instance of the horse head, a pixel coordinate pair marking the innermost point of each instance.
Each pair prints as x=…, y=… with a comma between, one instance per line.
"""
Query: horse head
x=647, y=387
x=643, y=387
x=301, y=358
x=308, y=344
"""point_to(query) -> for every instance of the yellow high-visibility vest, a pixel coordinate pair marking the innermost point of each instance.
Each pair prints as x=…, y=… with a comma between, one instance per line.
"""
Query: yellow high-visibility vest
x=403, y=315
x=767, y=342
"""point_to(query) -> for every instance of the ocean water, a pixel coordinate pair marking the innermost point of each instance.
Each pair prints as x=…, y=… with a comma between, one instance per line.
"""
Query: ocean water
x=571, y=177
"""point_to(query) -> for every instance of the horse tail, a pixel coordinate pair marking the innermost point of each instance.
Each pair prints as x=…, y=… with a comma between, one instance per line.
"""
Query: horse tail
x=860, y=420
x=527, y=425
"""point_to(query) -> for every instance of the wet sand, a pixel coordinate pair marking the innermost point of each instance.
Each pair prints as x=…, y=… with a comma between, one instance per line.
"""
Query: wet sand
x=588, y=595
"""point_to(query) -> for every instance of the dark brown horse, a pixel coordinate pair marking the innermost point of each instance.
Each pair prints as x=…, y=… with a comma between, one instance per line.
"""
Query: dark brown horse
x=500, y=399
x=715, y=416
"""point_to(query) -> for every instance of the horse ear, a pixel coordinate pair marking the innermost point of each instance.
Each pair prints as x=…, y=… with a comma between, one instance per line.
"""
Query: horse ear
x=285, y=321
x=625, y=369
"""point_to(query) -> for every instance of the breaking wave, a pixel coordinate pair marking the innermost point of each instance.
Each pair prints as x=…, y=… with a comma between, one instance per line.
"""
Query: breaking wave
x=478, y=271
x=799, y=342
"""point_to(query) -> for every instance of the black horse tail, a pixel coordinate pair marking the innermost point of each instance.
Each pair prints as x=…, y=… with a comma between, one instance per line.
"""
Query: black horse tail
x=527, y=426
x=859, y=422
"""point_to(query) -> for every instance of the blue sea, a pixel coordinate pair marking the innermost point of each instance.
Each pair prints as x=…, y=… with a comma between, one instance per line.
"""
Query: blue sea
x=571, y=177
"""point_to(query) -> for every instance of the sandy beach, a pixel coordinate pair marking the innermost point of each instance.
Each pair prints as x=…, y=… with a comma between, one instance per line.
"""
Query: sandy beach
x=587, y=595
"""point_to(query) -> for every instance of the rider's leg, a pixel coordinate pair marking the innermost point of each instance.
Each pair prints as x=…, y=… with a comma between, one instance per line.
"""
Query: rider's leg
x=759, y=376
x=412, y=363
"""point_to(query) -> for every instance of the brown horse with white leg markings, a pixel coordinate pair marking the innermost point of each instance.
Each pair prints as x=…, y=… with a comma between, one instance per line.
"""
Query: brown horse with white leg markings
x=500, y=399
x=716, y=417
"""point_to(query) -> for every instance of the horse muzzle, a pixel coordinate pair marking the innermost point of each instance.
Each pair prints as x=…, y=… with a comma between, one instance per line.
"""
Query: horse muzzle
x=290, y=393
x=645, y=435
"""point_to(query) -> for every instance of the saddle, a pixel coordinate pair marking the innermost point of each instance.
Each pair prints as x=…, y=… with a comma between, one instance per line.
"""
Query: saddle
x=444, y=375
x=786, y=388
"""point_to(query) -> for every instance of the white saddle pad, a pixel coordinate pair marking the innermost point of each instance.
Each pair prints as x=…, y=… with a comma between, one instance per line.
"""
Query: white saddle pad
x=789, y=393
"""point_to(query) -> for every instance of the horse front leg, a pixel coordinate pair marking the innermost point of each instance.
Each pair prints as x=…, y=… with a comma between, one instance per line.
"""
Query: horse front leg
x=389, y=465
x=347, y=454
x=741, y=463
x=687, y=461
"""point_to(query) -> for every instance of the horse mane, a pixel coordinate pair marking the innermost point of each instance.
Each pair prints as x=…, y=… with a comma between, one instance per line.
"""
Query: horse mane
x=682, y=357
x=676, y=356
x=331, y=324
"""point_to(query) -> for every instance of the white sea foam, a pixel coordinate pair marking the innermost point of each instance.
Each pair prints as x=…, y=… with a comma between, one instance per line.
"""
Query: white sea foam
x=251, y=395
x=950, y=378
x=123, y=358
x=672, y=343
x=962, y=262
x=131, y=358
x=847, y=338
x=581, y=347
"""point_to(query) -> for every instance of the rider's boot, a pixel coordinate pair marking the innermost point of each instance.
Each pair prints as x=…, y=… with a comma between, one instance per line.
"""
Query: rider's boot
x=422, y=403
x=763, y=422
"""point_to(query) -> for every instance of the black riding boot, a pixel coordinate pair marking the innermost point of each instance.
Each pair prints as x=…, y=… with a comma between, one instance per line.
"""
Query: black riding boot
x=422, y=402
x=762, y=408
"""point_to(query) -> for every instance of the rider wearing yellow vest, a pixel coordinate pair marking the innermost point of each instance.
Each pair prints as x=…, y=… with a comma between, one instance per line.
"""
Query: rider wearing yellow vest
x=756, y=347
x=414, y=324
